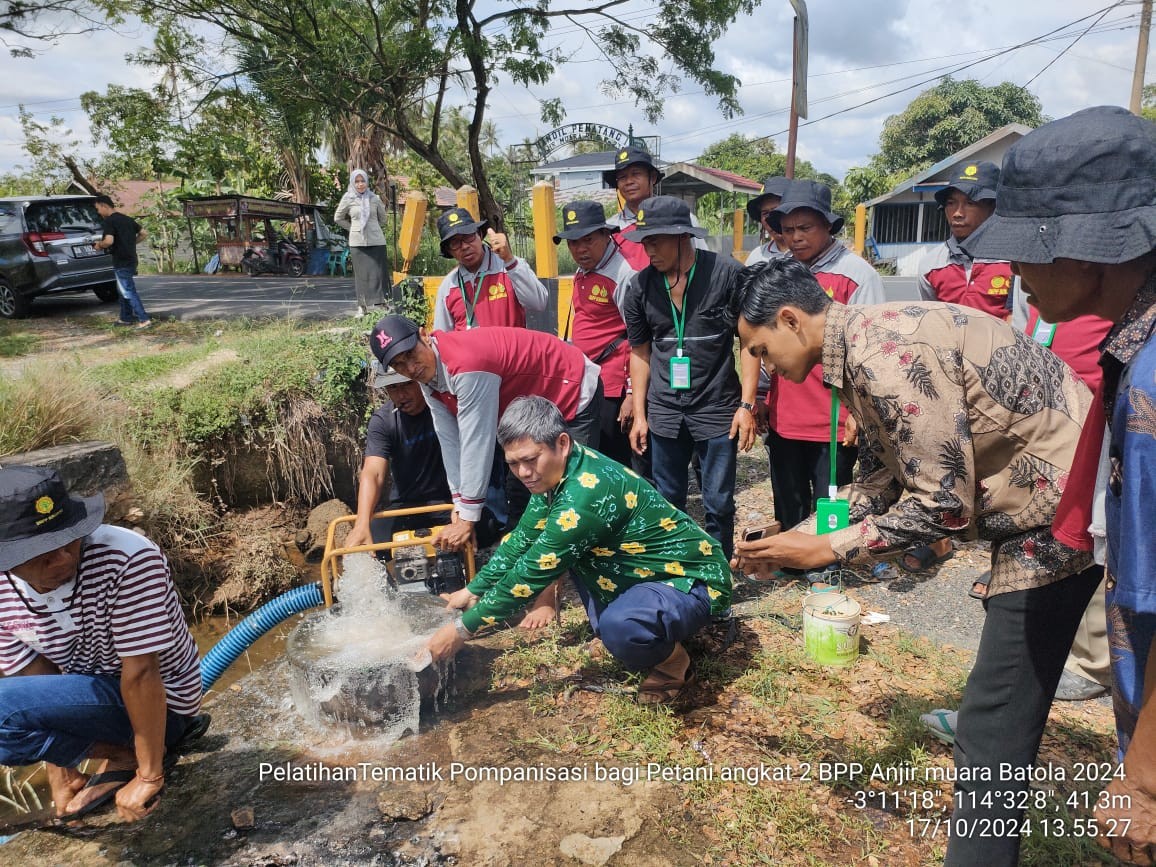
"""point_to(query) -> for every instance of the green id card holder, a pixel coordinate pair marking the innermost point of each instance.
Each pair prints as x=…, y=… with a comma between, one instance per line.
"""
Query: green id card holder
x=831, y=512
x=679, y=373
x=1044, y=333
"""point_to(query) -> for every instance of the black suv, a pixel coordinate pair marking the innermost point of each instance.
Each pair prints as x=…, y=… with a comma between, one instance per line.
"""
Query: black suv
x=46, y=248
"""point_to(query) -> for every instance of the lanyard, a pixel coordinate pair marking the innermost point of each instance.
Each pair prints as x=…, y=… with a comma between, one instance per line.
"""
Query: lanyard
x=680, y=319
x=482, y=275
x=832, y=485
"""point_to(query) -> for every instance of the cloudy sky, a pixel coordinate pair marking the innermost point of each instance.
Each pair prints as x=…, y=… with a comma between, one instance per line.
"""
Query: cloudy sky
x=868, y=59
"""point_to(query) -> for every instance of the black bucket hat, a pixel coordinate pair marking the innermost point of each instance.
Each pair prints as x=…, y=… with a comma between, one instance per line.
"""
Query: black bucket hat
x=806, y=194
x=975, y=180
x=38, y=515
x=664, y=215
x=774, y=186
x=581, y=218
x=629, y=156
x=457, y=221
x=391, y=336
x=1082, y=187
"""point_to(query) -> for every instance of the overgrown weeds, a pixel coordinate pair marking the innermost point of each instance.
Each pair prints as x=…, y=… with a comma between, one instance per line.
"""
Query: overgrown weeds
x=48, y=404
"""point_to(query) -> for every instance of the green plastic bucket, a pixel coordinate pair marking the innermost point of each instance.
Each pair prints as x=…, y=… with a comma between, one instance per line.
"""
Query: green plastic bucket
x=831, y=628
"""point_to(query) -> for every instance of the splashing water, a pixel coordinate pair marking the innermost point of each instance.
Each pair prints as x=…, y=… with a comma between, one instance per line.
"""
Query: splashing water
x=363, y=665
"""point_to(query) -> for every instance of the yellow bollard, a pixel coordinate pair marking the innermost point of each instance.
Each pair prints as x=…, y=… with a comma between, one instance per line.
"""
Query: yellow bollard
x=545, y=228
x=565, y=299
x=739, y=224
x=468, y=199
x=412, y=225
x=860, y=229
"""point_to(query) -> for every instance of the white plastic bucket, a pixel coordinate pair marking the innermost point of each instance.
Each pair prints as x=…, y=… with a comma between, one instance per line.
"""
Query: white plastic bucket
x=831, y=628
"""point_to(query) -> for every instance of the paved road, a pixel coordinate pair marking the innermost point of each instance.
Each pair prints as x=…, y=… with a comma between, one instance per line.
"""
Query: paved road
x=221, y=297
x=225, y=297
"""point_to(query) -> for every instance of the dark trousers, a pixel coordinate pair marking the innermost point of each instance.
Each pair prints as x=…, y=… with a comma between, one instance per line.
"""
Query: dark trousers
x=718, y=457
x=800, y=473
x=1021, y=656
x=584, y=429
x=641, y=627
x=612, y=440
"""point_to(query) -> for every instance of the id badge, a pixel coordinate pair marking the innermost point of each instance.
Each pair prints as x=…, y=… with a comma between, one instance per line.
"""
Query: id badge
x=1043, y=333
x=679, y=373
x=832, y=515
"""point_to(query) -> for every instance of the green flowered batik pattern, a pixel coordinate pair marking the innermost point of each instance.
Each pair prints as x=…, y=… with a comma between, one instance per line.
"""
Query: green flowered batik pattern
x=608, y=527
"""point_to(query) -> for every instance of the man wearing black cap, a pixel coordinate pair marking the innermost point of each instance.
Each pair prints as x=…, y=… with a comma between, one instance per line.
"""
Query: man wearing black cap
x=1075, y=216
x=948, y=272
x=799, y=438
x=97, y=658
x=759, y=209
x=490, y=285
x=687, y=396
x=636, y=178
x=597, y=327
x=469, y=377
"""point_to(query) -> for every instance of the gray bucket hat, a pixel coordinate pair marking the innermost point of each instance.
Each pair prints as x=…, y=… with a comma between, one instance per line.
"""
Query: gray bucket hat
x=1082, y=187
x=773, y=186
x=629, y=156
x=581, y=218
x=806, y=194
x=38, y=514
x=664, y=215
x=976, y=180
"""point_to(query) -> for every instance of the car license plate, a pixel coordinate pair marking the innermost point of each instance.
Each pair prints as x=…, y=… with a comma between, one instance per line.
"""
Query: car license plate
x=80, y=251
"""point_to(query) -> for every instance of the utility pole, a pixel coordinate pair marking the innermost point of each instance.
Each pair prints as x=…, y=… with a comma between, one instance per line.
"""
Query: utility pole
x=1141, y=57
x=799, y=52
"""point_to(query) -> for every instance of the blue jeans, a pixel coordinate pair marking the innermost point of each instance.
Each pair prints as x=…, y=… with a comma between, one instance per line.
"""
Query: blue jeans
x=57, y=718
x=130, y=305
x=641, y=626
x=718, y=458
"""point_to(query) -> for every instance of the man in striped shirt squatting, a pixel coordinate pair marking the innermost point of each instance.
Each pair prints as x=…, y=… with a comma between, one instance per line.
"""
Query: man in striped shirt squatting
x=596, y=315
x=97, y=658
x=490, y=285
x=648, y=576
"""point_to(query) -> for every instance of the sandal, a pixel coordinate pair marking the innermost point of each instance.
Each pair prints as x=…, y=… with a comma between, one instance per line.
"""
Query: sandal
x=666, y=680
x=121, y=779
x=924, y=559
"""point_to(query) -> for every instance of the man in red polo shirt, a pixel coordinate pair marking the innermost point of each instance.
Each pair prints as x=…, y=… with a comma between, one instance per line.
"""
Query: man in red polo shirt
x=948, y=273
x=800, y=413
x=636, y=178
x=597, y=327
x=490, y=285
x=469, y=378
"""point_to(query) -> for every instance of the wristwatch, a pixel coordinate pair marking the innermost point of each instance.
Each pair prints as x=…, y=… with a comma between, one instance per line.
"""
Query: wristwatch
x=749, y=407
x=460, y=628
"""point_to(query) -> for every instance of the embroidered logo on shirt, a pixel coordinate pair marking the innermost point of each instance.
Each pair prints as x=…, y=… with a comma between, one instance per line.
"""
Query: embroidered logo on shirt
x=600, y=294
x=998, y=286
x=497, y=292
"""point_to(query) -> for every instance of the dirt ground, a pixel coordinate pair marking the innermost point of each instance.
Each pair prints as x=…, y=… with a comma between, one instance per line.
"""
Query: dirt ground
x=541, y=756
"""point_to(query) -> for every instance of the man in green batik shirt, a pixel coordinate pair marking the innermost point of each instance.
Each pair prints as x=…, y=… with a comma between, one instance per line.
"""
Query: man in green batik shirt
x=648, y=575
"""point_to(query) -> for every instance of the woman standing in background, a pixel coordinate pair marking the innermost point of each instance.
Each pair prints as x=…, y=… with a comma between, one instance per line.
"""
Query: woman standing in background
x=361, y=212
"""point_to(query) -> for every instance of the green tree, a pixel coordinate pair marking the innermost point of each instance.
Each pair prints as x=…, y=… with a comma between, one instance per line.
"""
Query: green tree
x=948, y=118
x=380, y=60
x=1148, y=102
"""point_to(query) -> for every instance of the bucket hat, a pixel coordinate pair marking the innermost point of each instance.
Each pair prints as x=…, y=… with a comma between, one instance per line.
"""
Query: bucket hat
x=629, y=156
x=976, y=180
x=391, y=336
x=383, y=377
x=664, y=215
x=1082, y=187
x=457, y=221
x=581, y=218
x=806, y=194
x=38, y=515
x=773, y=186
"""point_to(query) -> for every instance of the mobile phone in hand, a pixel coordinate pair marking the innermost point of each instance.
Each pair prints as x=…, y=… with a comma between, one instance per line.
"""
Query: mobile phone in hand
x=753, y=534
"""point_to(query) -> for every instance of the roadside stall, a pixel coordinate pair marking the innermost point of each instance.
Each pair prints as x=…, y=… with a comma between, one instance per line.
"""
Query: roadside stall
x=259, y=235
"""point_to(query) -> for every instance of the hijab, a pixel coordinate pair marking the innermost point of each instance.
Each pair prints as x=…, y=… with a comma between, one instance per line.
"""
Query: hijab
x=365, y=199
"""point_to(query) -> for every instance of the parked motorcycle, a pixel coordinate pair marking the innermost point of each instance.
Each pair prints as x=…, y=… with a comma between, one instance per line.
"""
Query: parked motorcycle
x=285, y=258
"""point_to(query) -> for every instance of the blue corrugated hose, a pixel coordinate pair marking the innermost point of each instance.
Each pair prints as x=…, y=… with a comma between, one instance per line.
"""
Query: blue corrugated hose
x=238, y=639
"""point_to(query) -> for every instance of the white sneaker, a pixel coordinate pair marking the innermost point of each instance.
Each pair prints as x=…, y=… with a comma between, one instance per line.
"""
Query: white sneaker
x=941, y=724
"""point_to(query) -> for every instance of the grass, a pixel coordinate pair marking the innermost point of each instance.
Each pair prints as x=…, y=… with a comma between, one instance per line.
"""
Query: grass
x=15, y=345
x=47, y=404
